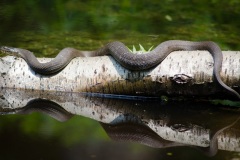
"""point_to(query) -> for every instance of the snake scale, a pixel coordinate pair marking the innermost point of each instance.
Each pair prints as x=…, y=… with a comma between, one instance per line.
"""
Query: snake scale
x=122, y=55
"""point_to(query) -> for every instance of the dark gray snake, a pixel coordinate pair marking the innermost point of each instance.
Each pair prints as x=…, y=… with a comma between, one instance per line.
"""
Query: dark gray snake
x=121, y=53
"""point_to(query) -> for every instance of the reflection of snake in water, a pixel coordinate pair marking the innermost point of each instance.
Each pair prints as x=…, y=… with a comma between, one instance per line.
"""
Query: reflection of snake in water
x=121, y=53
x=141, y=133
x=50, y=108
x=129, y=131
x=132, y=131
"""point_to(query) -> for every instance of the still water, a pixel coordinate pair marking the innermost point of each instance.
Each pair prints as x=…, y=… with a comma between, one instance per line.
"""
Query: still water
x=37, y=125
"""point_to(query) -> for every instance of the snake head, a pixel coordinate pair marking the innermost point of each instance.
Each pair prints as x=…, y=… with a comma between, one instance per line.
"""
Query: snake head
x=10, y=51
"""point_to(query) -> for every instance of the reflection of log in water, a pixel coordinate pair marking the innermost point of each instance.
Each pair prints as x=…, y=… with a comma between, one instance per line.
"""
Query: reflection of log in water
x=169, y=124
x=140, y=133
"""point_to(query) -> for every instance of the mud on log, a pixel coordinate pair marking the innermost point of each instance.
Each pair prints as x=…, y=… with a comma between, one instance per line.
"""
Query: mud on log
x=188, y=73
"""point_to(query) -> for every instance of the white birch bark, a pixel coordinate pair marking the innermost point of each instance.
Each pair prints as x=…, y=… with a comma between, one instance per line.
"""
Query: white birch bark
x=105, y=75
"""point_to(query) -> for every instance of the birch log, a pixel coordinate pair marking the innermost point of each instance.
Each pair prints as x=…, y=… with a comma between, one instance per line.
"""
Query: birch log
x=187, y=73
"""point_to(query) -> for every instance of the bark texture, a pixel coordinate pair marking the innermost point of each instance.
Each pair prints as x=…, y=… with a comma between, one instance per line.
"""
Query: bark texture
x=181, y=73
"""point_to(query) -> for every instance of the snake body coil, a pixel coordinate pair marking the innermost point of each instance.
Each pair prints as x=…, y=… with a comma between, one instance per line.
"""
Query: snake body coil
x=121, y=53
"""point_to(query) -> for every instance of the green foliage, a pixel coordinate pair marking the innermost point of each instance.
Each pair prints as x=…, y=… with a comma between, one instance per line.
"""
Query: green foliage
x=141, y=50
x=38, y=25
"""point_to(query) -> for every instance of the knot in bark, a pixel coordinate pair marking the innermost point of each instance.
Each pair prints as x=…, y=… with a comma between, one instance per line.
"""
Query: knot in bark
x=181, y=78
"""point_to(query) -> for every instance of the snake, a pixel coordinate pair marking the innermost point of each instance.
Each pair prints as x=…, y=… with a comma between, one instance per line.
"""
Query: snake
x=133, y=62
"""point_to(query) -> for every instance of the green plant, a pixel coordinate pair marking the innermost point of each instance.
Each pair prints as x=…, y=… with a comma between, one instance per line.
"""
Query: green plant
x=141, y=50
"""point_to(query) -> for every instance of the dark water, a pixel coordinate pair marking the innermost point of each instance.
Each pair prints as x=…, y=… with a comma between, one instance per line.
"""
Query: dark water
x=45, y=27
x=114, y=128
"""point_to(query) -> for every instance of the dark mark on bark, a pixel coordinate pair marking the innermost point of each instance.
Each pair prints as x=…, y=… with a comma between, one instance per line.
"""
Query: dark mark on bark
x=181, y=78
x=103, y=68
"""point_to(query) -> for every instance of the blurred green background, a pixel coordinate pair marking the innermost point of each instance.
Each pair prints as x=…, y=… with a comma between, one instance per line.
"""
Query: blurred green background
x=46, y=27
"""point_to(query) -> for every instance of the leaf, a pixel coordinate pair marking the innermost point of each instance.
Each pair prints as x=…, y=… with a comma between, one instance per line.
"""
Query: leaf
x=169, y=18
x=129, y=49
x=134, y=49
x=150, y=49
x=141, y=48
